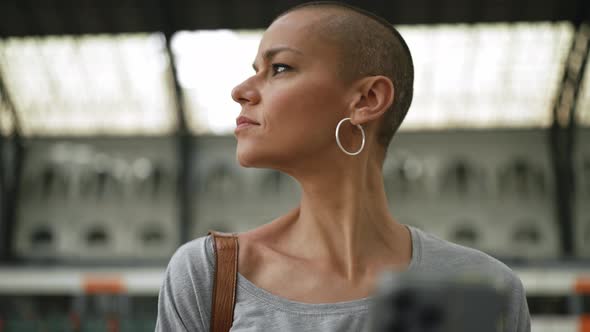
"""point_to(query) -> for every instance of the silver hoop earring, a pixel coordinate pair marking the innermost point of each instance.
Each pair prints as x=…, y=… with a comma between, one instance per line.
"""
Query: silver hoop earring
x=340, y=144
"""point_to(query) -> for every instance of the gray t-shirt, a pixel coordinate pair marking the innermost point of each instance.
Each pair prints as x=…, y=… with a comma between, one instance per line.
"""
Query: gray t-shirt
x=185, y=296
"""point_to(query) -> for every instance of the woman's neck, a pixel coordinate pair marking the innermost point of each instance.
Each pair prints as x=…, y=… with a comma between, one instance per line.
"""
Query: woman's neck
x=344, y=221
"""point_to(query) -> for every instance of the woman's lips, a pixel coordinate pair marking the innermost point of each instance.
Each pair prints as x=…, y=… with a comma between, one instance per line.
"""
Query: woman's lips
x=243, y=122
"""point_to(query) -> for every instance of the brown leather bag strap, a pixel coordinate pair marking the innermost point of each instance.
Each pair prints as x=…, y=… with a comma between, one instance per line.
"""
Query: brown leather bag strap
x=224, y=281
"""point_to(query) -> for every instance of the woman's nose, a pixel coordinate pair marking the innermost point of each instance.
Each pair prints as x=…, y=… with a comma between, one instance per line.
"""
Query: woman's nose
x=245, y=93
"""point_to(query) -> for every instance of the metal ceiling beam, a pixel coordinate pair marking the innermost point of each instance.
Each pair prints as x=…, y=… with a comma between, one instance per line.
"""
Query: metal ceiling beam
x=9, y=178
x=184, y=138
x=563, y=134
x=59, y=17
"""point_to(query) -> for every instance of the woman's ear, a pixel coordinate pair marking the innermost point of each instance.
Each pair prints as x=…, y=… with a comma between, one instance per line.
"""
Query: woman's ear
x=373, y=98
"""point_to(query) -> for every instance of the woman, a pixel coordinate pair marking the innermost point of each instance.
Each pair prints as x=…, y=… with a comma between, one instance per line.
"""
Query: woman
x=331, y=86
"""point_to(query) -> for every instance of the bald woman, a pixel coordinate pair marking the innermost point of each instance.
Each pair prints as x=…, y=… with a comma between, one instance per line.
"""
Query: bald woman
x=332, y=85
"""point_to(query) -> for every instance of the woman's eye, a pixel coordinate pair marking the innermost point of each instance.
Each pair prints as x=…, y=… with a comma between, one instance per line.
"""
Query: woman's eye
x=278, y=68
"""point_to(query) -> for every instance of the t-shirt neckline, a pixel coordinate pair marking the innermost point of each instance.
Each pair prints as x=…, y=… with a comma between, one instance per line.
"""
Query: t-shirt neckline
x=303, y=307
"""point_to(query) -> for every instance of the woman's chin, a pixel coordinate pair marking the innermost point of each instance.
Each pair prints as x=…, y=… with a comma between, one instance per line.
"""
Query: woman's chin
x=247, y=158
x=256, y=156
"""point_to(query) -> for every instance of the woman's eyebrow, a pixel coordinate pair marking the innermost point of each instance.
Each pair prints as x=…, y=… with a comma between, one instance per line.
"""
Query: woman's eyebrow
x=270, y=53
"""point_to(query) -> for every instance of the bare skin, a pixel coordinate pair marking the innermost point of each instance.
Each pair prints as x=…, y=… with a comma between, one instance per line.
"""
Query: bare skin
x=332, y=246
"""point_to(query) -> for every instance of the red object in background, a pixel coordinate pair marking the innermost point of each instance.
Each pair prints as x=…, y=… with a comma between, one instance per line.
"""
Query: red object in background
x=112, y=324
x=103, y=285
x=75, y=321
x=582, y=285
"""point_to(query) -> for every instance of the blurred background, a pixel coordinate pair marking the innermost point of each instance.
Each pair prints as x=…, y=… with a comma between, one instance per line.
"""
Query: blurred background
x=116, y=146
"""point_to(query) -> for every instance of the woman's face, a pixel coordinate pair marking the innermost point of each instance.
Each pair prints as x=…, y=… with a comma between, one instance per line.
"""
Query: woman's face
x=295, y=96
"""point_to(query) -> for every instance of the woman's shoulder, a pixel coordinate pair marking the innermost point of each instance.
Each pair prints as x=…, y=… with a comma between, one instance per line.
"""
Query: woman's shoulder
x=194, y=259
x=185, y=295
x=435, y=254
x=451, y=259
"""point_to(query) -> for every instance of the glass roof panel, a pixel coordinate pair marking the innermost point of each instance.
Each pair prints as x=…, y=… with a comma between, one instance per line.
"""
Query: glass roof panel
x=486, y=75
x=210, y=63
x=90, y=85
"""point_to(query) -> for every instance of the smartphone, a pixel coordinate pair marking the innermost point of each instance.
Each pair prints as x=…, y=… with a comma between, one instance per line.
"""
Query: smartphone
x=410, y=302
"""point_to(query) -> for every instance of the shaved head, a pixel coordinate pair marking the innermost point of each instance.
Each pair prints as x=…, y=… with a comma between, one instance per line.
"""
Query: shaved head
x=368, y=46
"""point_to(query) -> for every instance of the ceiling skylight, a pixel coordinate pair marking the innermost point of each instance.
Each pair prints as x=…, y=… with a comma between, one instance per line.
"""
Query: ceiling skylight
x=486, y=75
x=91, y=85
x=210, y=64
x=467, y=76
